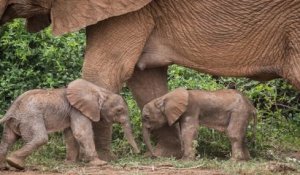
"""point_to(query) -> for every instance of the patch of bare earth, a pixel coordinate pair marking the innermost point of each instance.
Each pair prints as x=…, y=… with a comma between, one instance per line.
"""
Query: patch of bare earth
x=112, y=170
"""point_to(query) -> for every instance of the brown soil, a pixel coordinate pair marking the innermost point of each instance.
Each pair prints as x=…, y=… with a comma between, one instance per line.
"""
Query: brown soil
x=110, y=170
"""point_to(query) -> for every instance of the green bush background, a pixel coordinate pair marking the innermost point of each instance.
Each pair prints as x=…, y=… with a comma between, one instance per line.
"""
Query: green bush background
x=40, y=60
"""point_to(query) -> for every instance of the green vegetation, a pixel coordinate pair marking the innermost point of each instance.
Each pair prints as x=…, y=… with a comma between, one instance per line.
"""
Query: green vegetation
x=40, y=60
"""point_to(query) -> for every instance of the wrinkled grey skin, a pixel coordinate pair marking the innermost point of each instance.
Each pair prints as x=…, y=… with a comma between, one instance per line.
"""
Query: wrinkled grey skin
x=223, y=110
x=38, y=112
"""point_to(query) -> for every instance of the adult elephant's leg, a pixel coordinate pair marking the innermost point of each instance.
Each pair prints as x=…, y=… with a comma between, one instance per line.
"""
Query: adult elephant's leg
x=103, y=138
x=145, y=86
x=113, y=48
x=291, y=69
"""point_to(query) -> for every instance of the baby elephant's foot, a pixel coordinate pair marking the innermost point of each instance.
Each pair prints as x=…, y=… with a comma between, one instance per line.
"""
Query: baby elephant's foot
x=15, y=162
x=3, y=167
x=97, y=162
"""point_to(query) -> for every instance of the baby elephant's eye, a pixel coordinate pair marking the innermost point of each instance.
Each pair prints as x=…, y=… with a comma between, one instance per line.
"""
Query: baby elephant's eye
x=146, y=117
x=119, y=111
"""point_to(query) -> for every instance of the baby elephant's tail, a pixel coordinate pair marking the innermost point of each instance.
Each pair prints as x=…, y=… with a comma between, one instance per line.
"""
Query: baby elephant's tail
x=4, y=118
x=254, y=115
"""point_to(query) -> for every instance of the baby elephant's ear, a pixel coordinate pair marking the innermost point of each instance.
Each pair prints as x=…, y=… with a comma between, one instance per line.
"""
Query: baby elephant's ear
x=175, y=104
x=85, y=97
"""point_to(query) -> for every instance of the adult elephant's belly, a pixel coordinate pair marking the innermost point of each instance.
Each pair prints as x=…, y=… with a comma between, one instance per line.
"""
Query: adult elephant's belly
x=259, y=56
x=232, y=61
x=223, y=39
x=260, y=59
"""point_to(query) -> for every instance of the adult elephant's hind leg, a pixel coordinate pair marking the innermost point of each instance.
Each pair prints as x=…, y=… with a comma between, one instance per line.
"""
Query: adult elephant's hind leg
x=145, y=86
x=291, y=69
x=103, y=136
x=294, y=76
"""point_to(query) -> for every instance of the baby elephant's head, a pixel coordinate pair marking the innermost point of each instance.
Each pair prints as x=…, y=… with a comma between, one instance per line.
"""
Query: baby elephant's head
x=166, y=109
x=163, y=110
x=98, y=103
x=94, y=101
x=114, y=109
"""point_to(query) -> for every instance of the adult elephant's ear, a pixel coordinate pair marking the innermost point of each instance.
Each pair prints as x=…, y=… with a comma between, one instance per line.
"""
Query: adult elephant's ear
x=3, y=4
x=85, y=97
x=71, y=15
x=173, y=104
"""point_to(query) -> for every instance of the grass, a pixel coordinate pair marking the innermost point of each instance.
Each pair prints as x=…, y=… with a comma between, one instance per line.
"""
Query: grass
x=270, y=159
x=50, y=158
x=255, y=166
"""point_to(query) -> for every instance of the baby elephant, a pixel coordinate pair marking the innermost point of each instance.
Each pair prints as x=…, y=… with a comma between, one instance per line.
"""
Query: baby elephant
x=38, y=112
x=224, y=110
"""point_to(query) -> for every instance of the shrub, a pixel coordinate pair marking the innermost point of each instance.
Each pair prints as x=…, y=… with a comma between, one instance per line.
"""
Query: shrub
x=38, y=60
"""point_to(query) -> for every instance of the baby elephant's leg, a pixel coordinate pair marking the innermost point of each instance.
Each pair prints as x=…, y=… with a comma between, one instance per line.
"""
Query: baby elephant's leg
x=83, y=133
x=8, y=139
x=189, y=132
x=236, y=132
x=35, y=135
x=72, y=146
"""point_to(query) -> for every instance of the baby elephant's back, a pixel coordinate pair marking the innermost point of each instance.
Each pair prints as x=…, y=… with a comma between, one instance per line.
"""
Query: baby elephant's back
x=233, y=99
x=223, y=100
x=46, y=100
x=49, y=104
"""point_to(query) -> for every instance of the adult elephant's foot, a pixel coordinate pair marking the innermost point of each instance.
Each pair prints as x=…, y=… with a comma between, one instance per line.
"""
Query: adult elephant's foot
x=106, y=155
x=102, y=135
x=188, y=158
x=168, y=144
x=240, y=155
x=145, y=86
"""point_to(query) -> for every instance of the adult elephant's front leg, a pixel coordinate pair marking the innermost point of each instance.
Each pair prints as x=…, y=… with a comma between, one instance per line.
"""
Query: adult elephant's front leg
x=145, y=86
x=113, y=48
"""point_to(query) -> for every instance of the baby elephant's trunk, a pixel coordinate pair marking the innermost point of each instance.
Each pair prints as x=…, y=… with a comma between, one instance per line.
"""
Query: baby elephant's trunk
x=146, y=136
x=129, y=136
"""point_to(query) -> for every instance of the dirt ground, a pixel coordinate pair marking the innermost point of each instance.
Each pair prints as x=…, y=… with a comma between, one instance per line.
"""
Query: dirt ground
x=110, y=170
x=144, y=166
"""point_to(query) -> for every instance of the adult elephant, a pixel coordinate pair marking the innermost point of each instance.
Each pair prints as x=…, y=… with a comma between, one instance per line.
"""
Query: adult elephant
x=258, y=39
